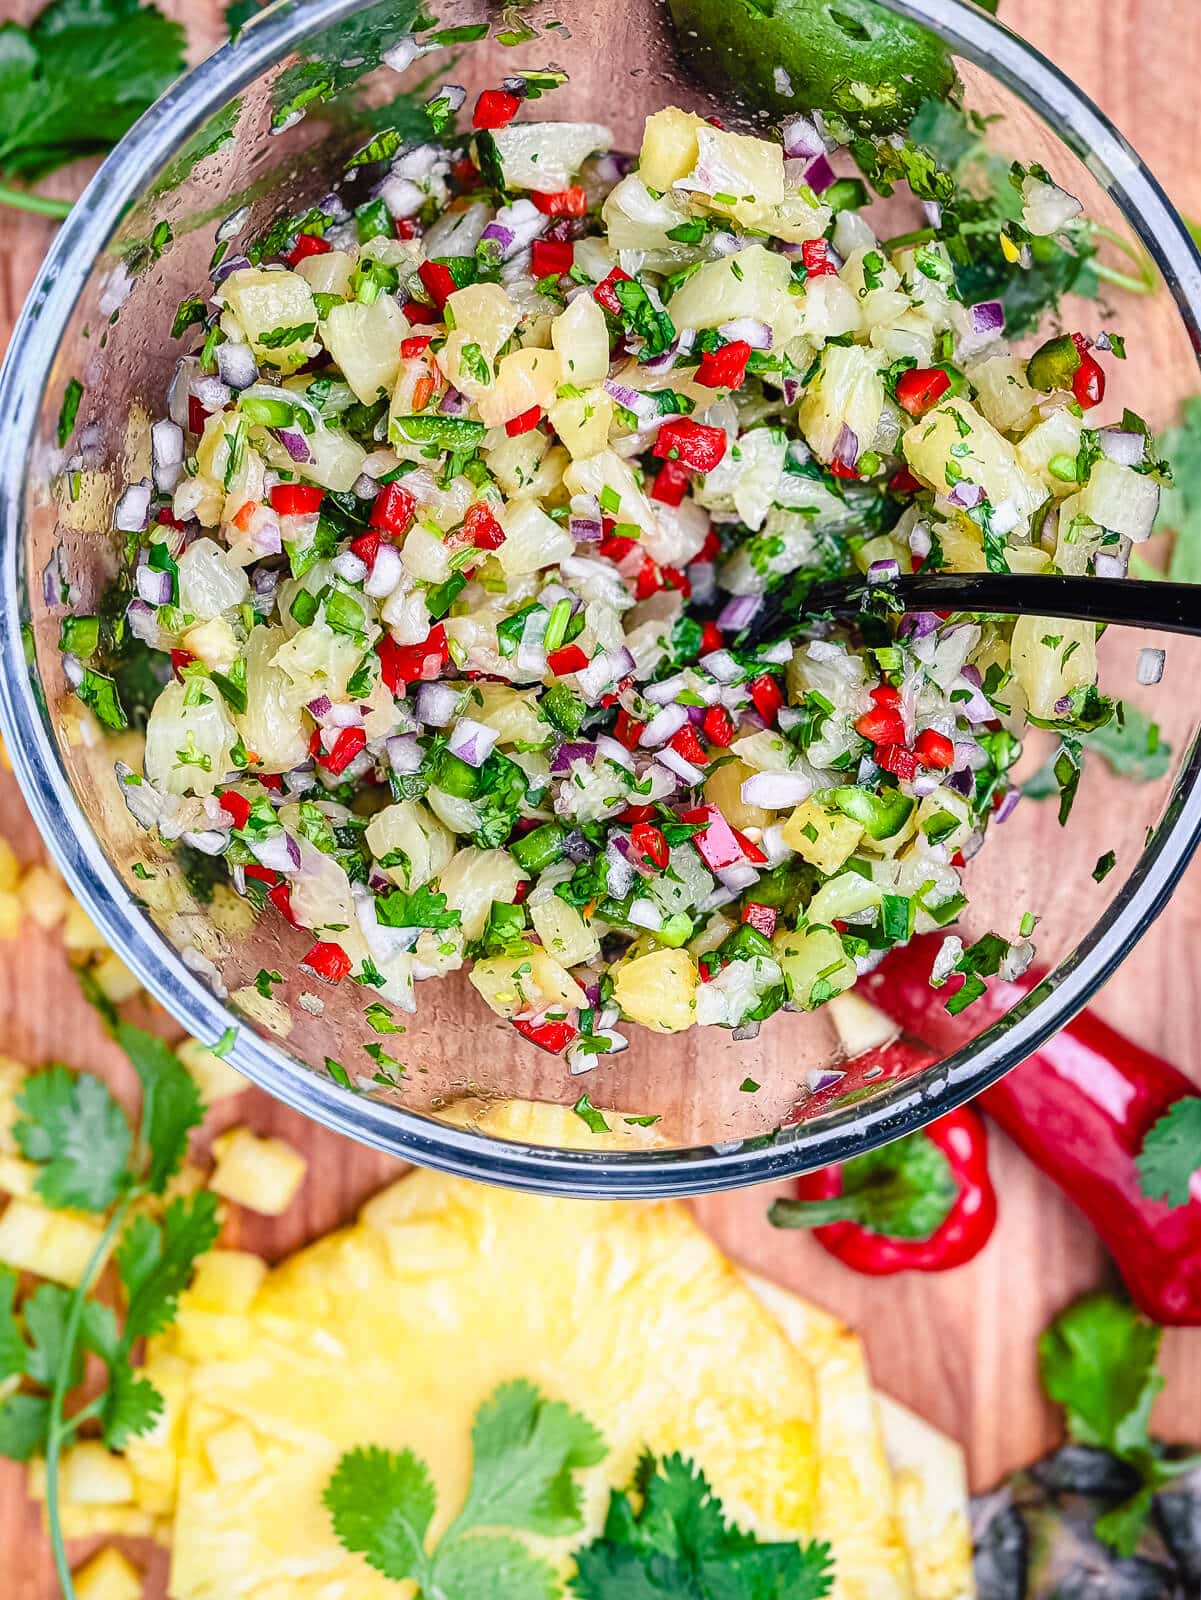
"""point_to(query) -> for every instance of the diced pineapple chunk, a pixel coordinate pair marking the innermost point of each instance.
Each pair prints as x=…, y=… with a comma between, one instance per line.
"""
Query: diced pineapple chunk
x=227, y=1280
x=563, y=931
x=815, y=965
x=108, y=1576
x=532, y=539
x=956, y=438
x=16, y=1176
x=753, y=283
x=416, y=844
x=512, y=984
x=1051, y=656
x=364, y=341
x=215, y=1078
x=10, y=867
x=944, y=804
x=233, y=1453
x=475, y=878
x=842, y=897
x=859, y=1025
x=611, y=480
x=525, y=379
x=736, y=174
x=327, y=273
x=264, y=1175
x=583, y=421
x=545, y=156
x=55, y=1244
x=581, y=338
x=723, y=789
x=1057, y=435
x=824, y=838
x=93, y=1476
x=847, y=391
x=113, y=978
x=80, y=937
x=268, y=304
x=669, y=146
x=512, y=712
x=188, y=745
x=10, y=916
x=1005, y=395
x=1120, y=499
x=658, y=990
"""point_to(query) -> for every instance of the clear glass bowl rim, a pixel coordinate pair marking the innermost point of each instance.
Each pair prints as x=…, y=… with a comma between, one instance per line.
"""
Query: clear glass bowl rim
x=971, y=33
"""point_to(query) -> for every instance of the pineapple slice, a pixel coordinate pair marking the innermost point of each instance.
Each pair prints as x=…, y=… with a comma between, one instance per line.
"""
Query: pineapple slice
x=264, y=1175
x=824, y=838
x=513, y=984
x=108, y=1576
x=669, y=146
x=269, y=304
x=814, y=964
x=658, y=990
x=55, y=1244
x=215, y=1078
x=227, y=1280
x=93, y=1476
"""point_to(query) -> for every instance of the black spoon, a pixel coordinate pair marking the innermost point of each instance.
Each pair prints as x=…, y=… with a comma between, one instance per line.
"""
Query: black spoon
x=1133, y=603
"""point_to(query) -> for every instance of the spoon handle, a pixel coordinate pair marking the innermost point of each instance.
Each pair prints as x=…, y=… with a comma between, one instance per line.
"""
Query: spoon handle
x=1129, y=602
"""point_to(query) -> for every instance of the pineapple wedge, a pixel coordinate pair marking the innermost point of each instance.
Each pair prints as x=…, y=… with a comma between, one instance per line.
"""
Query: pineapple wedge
x=108, y=1576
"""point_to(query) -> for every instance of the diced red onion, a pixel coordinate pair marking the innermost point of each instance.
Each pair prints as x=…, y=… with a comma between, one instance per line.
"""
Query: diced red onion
x=1150, y=666
x=792, y=388
x=611, y=749
x=236, y=364
x=1109, y=566
x=209, y=841
x=584, y=750
x=386, y=572
x=749, y=330
x=530, y=659
x=227, y=265
x=738, y=613
x=663, y=726
x=585, y=530
x=645, y=914
x=920, y=540
x=664, y=692
x=988, y=316
x=962, y=781
x=884, y=571
x=265, y=536
x=932, y=211
x=279, y=852
x=577, y=848
x=401, y=196
x=1063, y=705
x=919, y=624
x=212, y=394
x=603, y=671
x=454, y=404
x=644, y=406
x=801, y=138
x=155, y=588
x=738, y=877
x=1122, y=445
x=925, y=783
x=725, y=244
x=405, y=754
x=320, y=707
x=676, y=763
x=775, y=791
x=349, y=567
x=132, y=511
x=515, y=228
x=266, y=581
x=166, y=454
x=819, y=174
x=776, y=655
x=453, y=93
x=966, y=495
x=846, y=447
x=472, y=741
x=295, y=443
x=343, y=715
x=720, y=664
x=619, y=878
x=436, y=704
x=1005, y=810
x=586, y=506
x=703, y=581
x=143, y=623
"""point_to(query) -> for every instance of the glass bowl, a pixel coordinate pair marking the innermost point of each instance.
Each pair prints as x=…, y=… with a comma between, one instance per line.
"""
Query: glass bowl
x=261, y=130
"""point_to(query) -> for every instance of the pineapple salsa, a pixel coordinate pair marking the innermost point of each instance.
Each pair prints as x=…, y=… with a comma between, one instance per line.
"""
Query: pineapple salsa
x=462, y=506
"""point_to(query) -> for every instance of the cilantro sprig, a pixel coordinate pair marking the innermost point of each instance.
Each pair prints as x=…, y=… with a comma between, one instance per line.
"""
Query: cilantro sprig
x=88, y=1158
x=1171, y=1153
x=1099, y=1360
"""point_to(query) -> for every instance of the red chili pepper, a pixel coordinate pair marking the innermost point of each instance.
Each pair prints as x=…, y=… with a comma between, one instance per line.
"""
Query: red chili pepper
x=571, y=202
x=394, y=510
x=347, y=745
x=761, y=918
x=816, y=259
x=934, y=749
x=482, y=528
x=197, y=415
x=750, y=852
x=864, y=1212
x=522, y=424
x=281, y=898
x=551, y=1036
x=569, y=658
x=841, y=469
x=670, y=483
x=366, y=546
x=627, y=730
x=903, y=482
x=327, y=961
x=724, y=368
x=412, y=663
x=307, y=244
x=179, y=660
x=696, y=445
x=686, y=743
x=605, y=293
x=495, y=108
x=718, y=726
x=1088, y=380
x=920, y=388
x=898, y=760
x=711, y=638
x=883, y=724
x=649, y=845
x=415, y=345
x=768, y=698
x=551, y=257
x=237, y=805
x=438, y=281
x=1080, y=1107
x=296, y=499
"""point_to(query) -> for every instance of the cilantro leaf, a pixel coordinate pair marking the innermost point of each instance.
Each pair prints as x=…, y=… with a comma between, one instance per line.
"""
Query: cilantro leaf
x=171, y=1103
x=501, y=793
x=493, y=1568
x=1171, y=1153
x=23, y=1422
x=46, y=1312
x=382, y=1504
x=75, y=80
x=14, y=1357
x=525, y=1450
x=155, y=1261
x=1098, y=1361
x=424, y=908
x=1180, y=503
x=75, y=1130
x=588, y=1114
x=132, y=1406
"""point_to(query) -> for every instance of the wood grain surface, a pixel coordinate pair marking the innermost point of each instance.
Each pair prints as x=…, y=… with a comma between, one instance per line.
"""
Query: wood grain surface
x=960, y=1349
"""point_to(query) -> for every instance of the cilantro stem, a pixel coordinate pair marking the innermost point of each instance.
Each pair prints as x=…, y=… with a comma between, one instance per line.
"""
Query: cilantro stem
x=23, y=200
x=59, y=1428
x=1146, y=281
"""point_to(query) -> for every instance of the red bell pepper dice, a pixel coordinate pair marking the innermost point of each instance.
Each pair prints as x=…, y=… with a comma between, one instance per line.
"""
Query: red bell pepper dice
x=718, y=726
x=694, y=444
x=920, y=388
x=627, y=729
x=761, y=918
x=307, y=244
x=482, y=528
x=522, y=424
x=816, y=259
x=571, y=202
x=670, y=483
x=366, y=546
x=394, y=510
x=349, y=743
x=296, y=499
x=281, y=898
x=934, y=749
x=569, y=658
x=439, y=283
x=550, y=1036
x=495, y=108
x=415, y=345
x=237, y=806
x=1088, y=380
x=686, y=743
x=412, y=663
x=711, y=638
x=724, y=368
x=895, y=758
x=649, y=846
x=551, y=257
x=883, y=724
x=327, y=961
x=605, y=293
x=768, y=698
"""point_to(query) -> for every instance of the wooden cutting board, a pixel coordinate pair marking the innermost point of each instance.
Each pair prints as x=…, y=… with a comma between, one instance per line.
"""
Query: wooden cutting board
x=960, y=1349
